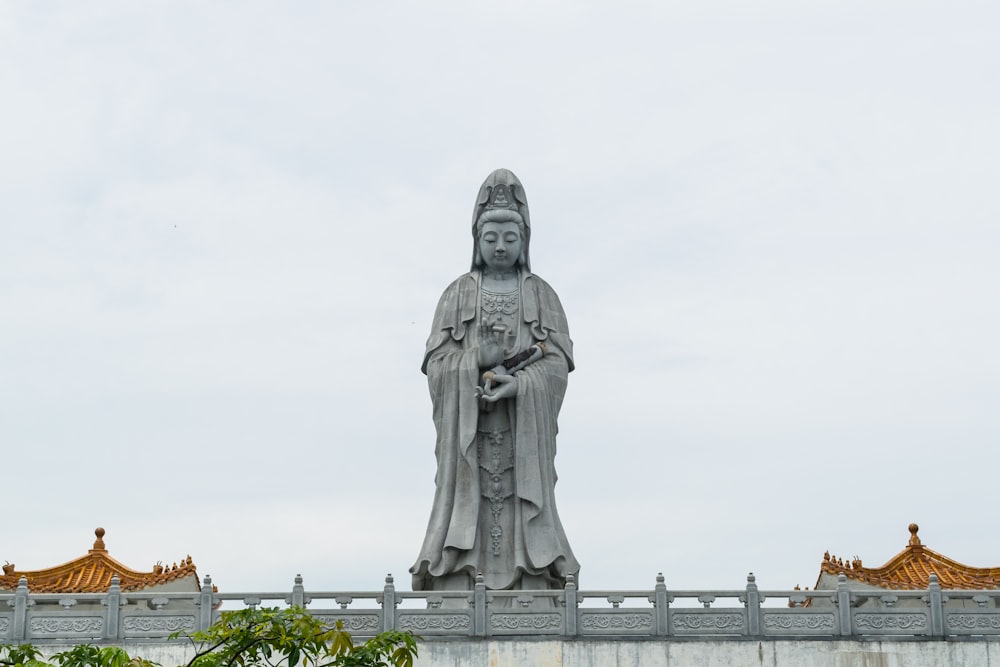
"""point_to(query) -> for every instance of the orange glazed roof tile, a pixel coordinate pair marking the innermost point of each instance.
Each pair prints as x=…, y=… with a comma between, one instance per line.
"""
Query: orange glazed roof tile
x=911, y=568
x=92, y=574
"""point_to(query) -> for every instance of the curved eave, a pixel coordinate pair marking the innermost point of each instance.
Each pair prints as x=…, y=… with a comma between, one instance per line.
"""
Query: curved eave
x=911, y=569
x=92, y=574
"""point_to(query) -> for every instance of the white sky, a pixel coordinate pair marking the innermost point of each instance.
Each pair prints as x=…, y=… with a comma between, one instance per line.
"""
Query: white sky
x=773, y=226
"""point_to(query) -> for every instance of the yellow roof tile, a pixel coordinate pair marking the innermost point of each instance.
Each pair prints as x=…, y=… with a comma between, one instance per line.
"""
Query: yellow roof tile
x=911, y=568
x=92, y=574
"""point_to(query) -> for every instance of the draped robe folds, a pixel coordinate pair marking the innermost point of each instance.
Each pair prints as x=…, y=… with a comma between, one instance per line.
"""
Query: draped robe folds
x=453, y=540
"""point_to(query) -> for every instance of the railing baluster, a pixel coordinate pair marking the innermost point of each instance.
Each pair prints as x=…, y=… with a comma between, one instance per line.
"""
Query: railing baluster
x=936, y=602
x=20, y=610
x=479, y=604
x=661, y=602
x=206, y=602
x=569, y=607
x=753, y=606
x=299, y=598
x=844, y=606
x=389, y=605
x=113, y=612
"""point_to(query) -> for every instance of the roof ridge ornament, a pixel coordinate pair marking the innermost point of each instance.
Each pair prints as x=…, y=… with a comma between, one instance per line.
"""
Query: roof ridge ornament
x=99, y=542
x=914, y=540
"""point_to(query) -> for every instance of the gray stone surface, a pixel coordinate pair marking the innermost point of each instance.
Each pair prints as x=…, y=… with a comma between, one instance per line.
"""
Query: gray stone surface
x=497, y=360
x=746, y=615
x=704, y=653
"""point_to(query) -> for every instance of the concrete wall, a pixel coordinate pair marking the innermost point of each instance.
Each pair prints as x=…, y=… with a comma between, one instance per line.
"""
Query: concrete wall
x=659, y=653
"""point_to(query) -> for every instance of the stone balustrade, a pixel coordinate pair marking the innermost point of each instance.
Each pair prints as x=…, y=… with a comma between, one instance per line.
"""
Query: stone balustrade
x=660, y=613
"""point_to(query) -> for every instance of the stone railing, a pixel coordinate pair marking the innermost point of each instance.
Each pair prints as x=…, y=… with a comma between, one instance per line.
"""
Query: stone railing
x=569, y=613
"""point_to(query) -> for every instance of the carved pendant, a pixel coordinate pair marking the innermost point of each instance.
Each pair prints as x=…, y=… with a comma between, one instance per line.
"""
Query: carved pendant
x=496, y=493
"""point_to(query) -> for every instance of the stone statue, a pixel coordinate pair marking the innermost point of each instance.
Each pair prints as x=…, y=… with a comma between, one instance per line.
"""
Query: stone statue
x=496, y=362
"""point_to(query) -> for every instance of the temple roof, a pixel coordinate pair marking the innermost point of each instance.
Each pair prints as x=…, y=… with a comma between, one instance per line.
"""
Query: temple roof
x=911, y=568
x=92, y=574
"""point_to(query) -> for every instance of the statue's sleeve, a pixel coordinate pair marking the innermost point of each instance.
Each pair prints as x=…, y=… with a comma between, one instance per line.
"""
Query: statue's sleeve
x=452, y=367
x=544, y=315
x=541, y=388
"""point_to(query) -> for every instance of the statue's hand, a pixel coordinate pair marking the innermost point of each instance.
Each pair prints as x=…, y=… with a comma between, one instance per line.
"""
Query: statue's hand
x=506, y=387
x=490, y=353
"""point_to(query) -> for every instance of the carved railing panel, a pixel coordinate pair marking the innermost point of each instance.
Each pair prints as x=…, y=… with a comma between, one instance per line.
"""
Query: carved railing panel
x=429, y=622
x=153, y=624
x=65, y=625
x=796, y=622
x=359, y=622
x=524, y=622
x=972, y=622
x=693, y=622
x=639, y=622
x=892, y=621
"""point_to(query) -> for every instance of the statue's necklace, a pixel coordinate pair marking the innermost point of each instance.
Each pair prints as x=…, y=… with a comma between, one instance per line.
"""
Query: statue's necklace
x=499, y=302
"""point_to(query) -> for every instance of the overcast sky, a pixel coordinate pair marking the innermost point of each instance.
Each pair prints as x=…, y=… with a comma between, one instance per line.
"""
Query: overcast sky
x=774, y=227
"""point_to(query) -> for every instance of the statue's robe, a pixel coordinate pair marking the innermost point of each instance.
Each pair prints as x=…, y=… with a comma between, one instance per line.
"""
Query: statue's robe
x=453, y=542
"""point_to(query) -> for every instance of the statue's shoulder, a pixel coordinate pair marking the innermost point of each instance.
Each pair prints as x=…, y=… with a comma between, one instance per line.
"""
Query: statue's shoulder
x=457, y=303
x=464, y=281
x=541, y=302
x=534, y=281
x=466, y=285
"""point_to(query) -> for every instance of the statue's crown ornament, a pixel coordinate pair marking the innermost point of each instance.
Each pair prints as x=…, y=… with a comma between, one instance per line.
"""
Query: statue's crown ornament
x=501, y=198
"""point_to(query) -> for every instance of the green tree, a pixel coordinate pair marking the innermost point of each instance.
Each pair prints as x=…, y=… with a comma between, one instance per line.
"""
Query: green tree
x=292, y=637
x=247, y=638
x=81, y=655
x=25, y=655
x=88, y=655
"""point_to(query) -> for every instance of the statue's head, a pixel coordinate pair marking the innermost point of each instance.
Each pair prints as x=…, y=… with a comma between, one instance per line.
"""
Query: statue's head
x=501, y=208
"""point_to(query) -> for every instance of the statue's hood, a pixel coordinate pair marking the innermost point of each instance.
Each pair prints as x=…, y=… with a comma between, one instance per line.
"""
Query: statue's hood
x=502, y=177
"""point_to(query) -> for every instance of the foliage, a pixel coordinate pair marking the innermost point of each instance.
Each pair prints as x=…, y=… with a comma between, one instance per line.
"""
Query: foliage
x=88, y=655
x=82, y=655
x=292, y=637
x=247, y=638
x=25, y=655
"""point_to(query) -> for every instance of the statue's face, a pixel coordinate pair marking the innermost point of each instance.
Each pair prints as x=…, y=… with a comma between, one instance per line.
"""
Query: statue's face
x=500, y=245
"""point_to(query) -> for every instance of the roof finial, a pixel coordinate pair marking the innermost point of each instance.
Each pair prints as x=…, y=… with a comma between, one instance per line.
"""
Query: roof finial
x=99, y=542
x=914, y=540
